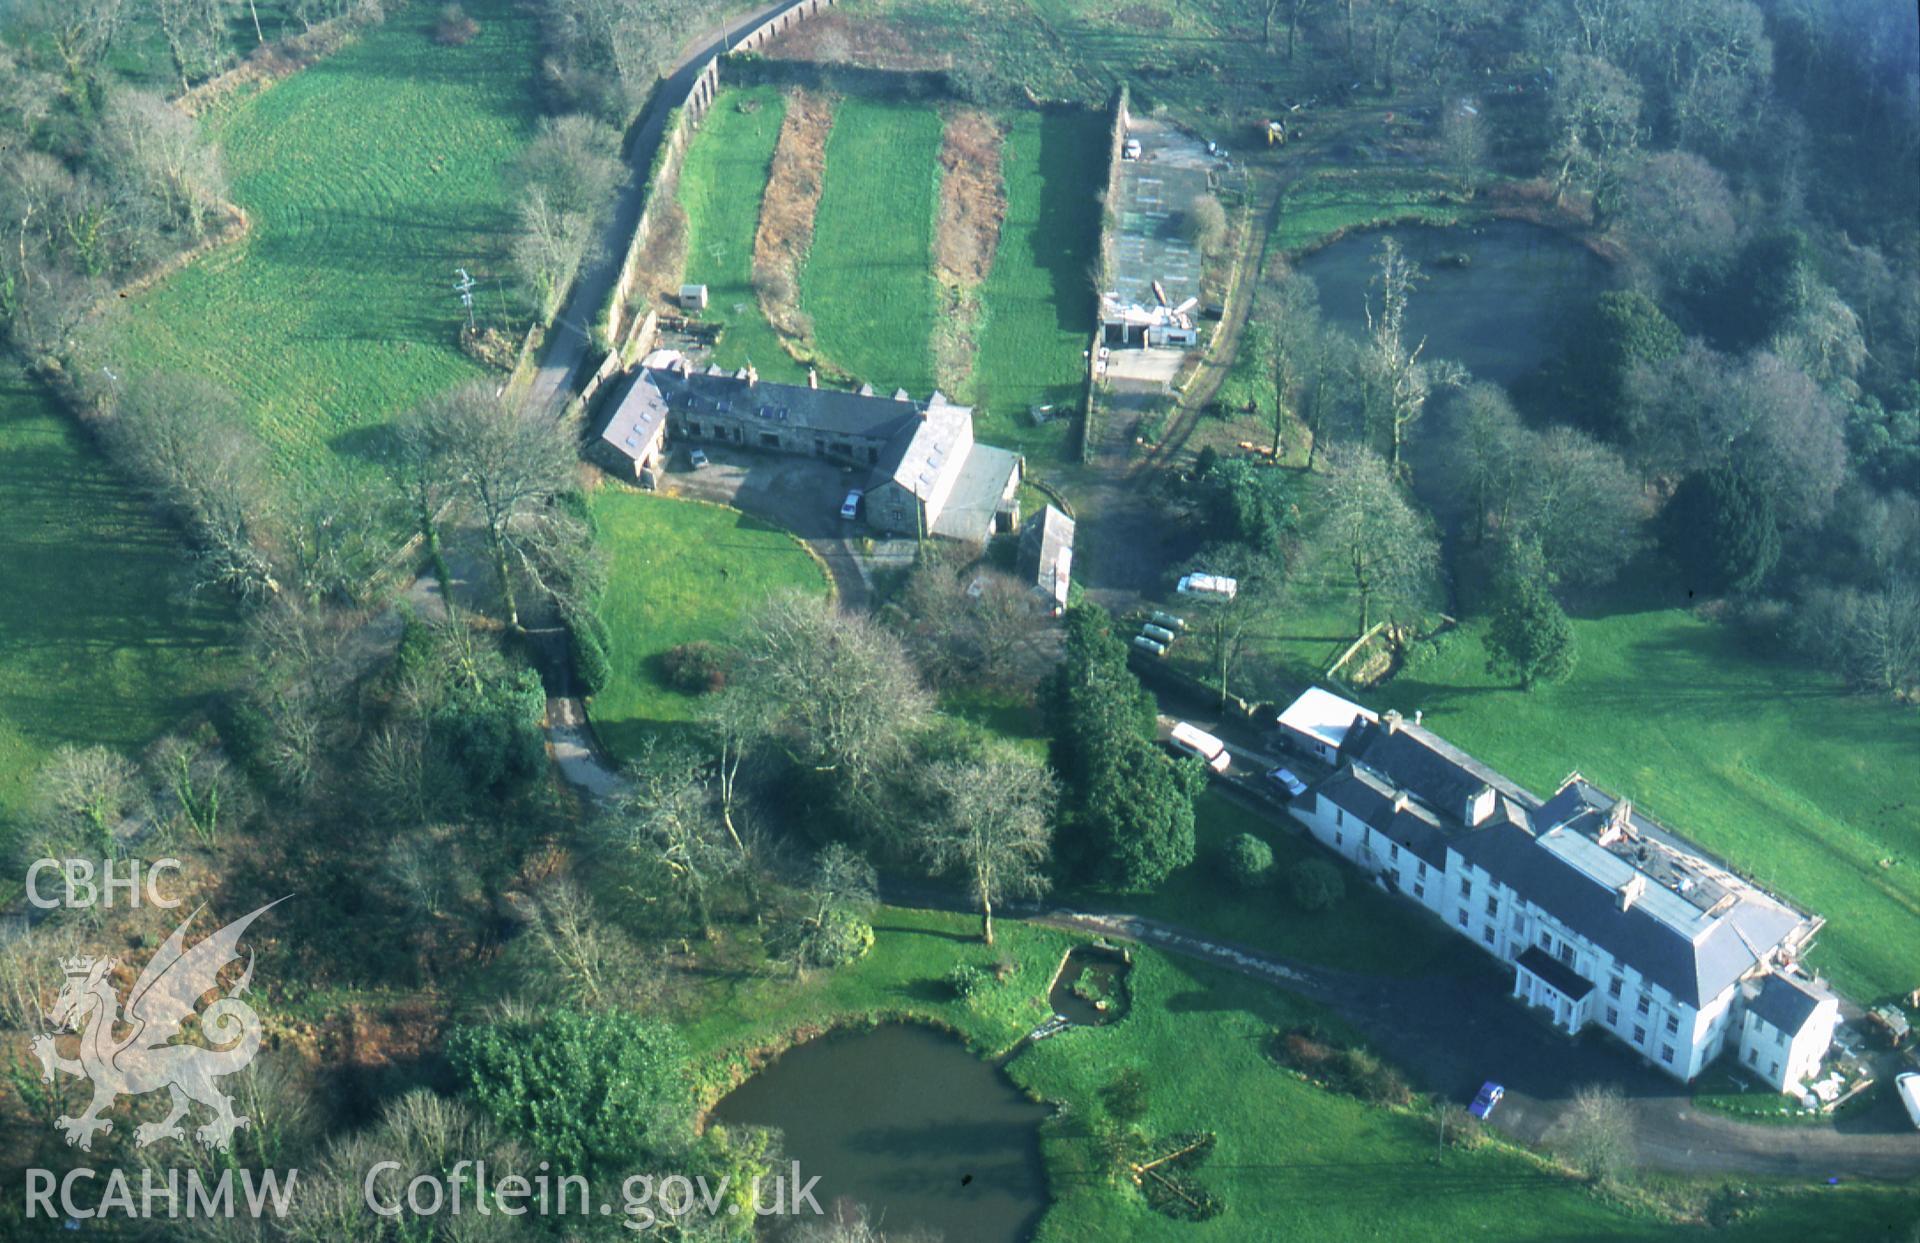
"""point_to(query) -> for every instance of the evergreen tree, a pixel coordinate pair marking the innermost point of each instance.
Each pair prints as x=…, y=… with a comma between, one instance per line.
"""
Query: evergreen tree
x=1722, y=532
x=1530, y=636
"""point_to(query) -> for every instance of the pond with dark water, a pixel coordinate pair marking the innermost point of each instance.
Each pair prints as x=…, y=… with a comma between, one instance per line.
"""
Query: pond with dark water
x=1496, y=297
x=904, y=1120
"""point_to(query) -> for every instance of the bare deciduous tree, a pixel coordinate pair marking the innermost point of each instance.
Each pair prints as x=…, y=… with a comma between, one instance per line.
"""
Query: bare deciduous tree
x=161, y=153
x=512, y=469
x=834, y=690
x=663, y=832
x=1370, y=536
x=186, y=438
x=1397, y=379
x=79, y=801
x=579, y=959
x=1597, y=1134
x=548, y=250
x=995, y=826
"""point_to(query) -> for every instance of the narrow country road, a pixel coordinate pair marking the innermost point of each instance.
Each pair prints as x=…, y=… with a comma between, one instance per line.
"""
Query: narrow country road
x=570, y=338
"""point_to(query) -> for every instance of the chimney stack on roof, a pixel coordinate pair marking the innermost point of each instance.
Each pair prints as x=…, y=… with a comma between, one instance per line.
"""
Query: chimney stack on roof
x=1619, y=819
x=753, y=376
x=1392, y=721
x=813, y=378
x=1632, y=890
x=1399, y=800
x=1417, y=714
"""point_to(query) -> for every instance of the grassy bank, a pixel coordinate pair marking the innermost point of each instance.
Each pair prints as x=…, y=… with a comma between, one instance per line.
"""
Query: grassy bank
x=722, y=182
x=97, y=643
x=868, y=282
x=369, y=178
x=679, y=571
x=1039, y=305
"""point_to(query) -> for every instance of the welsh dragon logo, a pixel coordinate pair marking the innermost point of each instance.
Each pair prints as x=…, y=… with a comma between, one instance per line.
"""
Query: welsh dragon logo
x=157, y=1008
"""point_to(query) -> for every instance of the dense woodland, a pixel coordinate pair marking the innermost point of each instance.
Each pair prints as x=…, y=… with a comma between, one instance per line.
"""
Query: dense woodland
x=1746, y=404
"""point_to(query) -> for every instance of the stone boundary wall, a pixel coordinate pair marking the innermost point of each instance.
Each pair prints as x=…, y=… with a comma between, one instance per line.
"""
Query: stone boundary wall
x=683, y=120
x=1109, y=220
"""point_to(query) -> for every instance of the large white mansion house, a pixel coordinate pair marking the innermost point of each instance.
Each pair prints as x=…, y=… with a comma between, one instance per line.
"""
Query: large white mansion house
x=1605, y=916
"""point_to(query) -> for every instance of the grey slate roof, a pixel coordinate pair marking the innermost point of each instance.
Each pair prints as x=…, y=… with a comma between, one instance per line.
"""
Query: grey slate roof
x=1692, y=969
x=985, y=476
x=633, y=426
x=1416, y=759
x=1046, y=541
x=1786, y=1003
x=1696, y=928
x=825, y=409
x=1366, y=797
x=1558, y=975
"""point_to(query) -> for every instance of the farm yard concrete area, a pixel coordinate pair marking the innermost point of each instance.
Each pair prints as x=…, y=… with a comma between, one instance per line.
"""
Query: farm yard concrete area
x=1150, y=245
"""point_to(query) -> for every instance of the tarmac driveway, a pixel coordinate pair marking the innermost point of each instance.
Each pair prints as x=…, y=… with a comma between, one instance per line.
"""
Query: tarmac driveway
x=802, y=495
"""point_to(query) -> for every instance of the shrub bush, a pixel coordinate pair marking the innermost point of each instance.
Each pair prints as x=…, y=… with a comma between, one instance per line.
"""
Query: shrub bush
x=968, y=980
x=453, y=28
x=697, y=668
x=1316, y=884
x=844, y=938
x=1249, y=861
x=589, y=642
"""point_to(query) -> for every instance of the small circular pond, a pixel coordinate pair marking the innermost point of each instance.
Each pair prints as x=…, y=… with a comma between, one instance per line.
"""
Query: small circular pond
x=904, y=1120
x=1495, y=297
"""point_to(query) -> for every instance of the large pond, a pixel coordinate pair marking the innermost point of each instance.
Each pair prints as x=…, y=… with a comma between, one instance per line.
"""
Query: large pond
x=1495, y=298
x=905, y=1121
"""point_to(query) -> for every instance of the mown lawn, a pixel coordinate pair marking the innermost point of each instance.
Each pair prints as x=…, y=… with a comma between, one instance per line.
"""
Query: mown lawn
x=722, y=182
x=369, y=178
x=868, y=281
x=1293, y=1161
x=1807, y=789
x=1326, y=204
x=1039, y=310
x=1296, y=1162
x=679, y=571
x=97, y=645
x=1367, y=931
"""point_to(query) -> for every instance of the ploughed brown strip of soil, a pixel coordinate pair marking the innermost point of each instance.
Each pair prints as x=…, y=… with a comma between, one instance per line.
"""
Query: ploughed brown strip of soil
x=973, y=197
x=786, y=213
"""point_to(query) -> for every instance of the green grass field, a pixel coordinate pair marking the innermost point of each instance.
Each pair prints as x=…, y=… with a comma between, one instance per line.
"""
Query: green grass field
x=1293, y=1161
x=1039, y=305
x=722, y=182
x=369, y=178
x=95, y=644
x=1367, y=932
x=1807, y=789
x=868, y=281
x=679, y=571
x=1325, y=204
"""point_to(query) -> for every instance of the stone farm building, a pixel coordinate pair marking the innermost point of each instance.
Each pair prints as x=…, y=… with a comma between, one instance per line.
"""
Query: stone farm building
x=927, y=476
x=1606, y=917
x=1046, y=557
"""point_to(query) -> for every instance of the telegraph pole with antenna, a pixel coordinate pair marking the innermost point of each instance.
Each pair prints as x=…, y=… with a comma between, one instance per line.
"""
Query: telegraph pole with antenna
x=464, y=287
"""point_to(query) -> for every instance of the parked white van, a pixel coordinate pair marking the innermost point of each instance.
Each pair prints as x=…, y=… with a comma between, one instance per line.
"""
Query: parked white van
x=1203, y=585
x=1196, y=741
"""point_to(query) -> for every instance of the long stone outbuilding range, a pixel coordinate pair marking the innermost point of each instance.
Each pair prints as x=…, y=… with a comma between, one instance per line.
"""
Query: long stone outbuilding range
x=927, y=475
